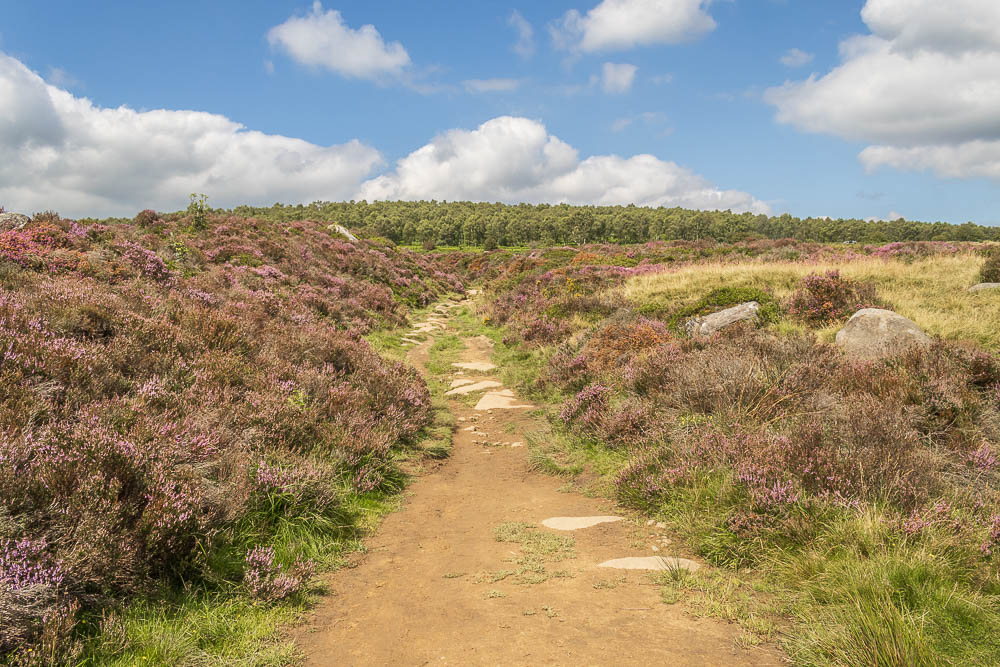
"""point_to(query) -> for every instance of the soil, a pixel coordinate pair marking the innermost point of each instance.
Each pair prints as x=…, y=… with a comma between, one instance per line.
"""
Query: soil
x=424, y=591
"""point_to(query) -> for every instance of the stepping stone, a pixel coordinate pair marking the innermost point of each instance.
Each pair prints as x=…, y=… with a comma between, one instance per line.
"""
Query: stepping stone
x=475, y=366
x=577, y=522
x=652, y=563
x=478, y=386
x=500, y=400
x=410, y=341
x=460, y=383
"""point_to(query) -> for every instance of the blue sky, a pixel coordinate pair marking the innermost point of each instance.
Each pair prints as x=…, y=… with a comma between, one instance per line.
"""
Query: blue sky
x=452, y=101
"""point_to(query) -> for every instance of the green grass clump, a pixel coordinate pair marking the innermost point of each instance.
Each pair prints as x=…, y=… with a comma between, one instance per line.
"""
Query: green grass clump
x=726, y=297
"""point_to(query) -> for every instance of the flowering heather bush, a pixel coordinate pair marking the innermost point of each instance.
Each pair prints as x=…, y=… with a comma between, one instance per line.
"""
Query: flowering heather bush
x=265, y=580
x=822, y=299
x=990, y=270
x=163, y=405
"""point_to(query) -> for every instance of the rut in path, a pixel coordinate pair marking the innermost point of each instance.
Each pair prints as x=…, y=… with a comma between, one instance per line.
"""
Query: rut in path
x=437, y=585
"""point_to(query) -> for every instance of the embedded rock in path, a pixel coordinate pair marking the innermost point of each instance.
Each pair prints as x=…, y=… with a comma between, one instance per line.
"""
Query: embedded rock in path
x=872, y=333
x=460, y=383
x=13, y=221
x=468, y=389
x=983, y=286
x=475, y=365
x=709, y=324
x=652, y=563
x=500, y=400
x=577, y=522
x=344, y=231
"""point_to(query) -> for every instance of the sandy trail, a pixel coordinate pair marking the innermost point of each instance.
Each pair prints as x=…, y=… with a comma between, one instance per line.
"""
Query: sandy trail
x=422, y=594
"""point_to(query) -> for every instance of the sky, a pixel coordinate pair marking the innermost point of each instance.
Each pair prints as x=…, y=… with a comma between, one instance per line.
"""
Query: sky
x=844, y=108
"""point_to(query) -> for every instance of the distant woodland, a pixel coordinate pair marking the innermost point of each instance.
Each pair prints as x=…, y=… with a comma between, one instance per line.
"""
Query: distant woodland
x=480, y=224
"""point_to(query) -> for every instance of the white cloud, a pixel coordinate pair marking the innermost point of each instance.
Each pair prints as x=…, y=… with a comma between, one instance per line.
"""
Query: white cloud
x=662, y=79
x=617, y=78
x=891, y=217
x=625, y=24
x=322, y=39
x=514, y=159
x=491, y=85
x=621, y=124
x=795, y=58
x=62, y=152
x=525, y=44
x=922, y=89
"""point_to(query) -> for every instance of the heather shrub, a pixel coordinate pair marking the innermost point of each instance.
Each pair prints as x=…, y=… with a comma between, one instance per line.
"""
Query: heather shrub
x=822, y=299
x=168, y=412
x=990, y=270
x=145, y=217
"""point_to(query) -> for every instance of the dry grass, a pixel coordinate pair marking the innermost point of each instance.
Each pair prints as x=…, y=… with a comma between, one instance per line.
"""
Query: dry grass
x=932, y=292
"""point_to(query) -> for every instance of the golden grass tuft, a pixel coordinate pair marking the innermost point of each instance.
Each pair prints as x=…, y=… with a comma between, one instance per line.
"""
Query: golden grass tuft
x=933, y=292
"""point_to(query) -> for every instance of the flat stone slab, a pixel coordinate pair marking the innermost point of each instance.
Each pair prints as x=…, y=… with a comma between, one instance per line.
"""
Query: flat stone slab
x=982, y=286
x=577, y=522
x=460, y=383
x=500, y=400
x=651, y=563
x=469, y=388
x=475, y=365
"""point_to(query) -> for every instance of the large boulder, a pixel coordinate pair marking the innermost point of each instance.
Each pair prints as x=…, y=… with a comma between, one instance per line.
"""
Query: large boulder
x=982, y=286
x=709, y=324
x=11, y=221
x=873, y=333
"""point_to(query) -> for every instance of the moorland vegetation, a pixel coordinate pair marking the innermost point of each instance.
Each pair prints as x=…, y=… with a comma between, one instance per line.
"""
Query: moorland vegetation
x=193, y=418
x=857, y=500
x=190, y=413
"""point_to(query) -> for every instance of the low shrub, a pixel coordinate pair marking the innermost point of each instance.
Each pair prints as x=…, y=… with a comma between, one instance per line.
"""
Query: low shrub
x=990, y=270
x=822, y=299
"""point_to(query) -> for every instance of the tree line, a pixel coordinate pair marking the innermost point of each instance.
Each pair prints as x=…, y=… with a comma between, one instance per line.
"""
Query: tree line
x=485, y=224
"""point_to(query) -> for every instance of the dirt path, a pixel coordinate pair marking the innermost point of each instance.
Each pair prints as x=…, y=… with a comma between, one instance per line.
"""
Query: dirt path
x=437, y=587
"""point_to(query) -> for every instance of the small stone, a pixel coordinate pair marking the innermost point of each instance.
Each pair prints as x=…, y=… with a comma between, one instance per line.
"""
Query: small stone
x=984, y=286
x=475, y=365
x=577, y=522
x=651, y=563
x=461, y=419
x=517, y=444
x=655, y=548
x=709, y=324
x=661, y=525
x=13, y=221
x=343, y=231
x=468, y=389
x=499, y=400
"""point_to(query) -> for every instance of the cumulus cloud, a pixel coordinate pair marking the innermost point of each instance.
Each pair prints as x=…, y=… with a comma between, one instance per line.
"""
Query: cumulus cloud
x=525, y=44
x=62, y=152
x=921, y=89
x=617, y=78
x=323, y=39
x=513, y=159
x=625, y=24
x=795, y=58
x=491, y=85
